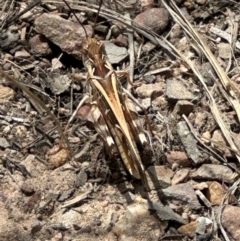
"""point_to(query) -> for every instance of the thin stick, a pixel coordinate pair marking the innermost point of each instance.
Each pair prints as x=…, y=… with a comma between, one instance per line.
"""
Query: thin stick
x=76, y=17
x=85, y=98
x=28, y=8
x=131, y=53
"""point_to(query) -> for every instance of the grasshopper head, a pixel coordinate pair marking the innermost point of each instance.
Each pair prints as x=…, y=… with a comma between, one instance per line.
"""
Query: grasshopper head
x=93, y=55
x=92, y=47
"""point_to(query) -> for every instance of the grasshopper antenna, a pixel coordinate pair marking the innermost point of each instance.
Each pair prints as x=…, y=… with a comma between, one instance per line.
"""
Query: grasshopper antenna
x=77, y=16
x=98, y=11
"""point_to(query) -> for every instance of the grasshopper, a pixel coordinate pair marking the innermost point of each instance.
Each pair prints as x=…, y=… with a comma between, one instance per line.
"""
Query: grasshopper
x=114, y=114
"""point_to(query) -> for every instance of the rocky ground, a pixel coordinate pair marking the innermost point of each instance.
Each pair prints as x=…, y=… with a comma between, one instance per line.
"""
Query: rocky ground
x=186, y=64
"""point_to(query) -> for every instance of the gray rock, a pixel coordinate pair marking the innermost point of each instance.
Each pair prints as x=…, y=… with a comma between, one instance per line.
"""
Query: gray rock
x=180, y=176
x=64, y=33
x=145, y=103
x=27, y=187
x=200, y=119
x=66, y=194
x=148, y=90
x=59, y=83
x=176, y=90
x=4, y=143
x=22, y=54
x=218, y=142
x=183, y=107
x=6, y=94
x=231, y=220
x=130, y=197
x=139, y=224
x=159, y=177
x=224, y=50
x=40, y=45
x=165, y=212
x=190, y=143
x=115, y=54
x=36, y=227
x=204, y=224
x=208, y=73
x=81, y=178
x=214, y=172
x=9, y=39
x=181, y=193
